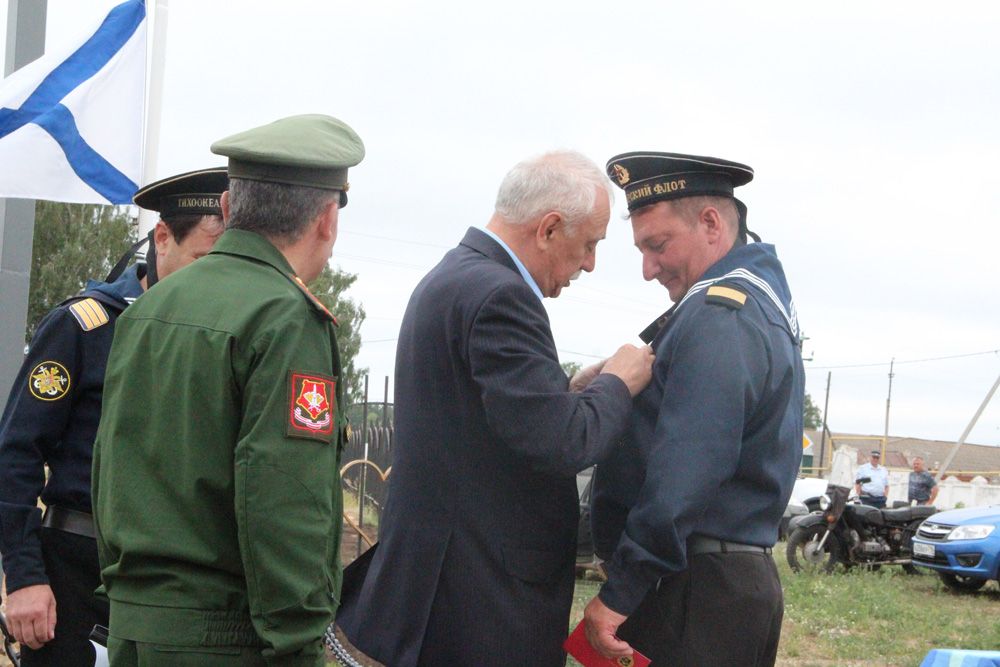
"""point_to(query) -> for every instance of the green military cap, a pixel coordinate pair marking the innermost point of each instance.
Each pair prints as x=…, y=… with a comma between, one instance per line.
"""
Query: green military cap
x=193, y=192
x=311, y=150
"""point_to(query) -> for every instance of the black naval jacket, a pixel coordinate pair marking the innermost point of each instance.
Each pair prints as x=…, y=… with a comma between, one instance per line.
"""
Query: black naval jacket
x=715, y=442
x=51, y=419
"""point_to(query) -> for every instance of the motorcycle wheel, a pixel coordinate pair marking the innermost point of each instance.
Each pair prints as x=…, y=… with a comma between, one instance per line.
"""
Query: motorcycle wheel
x=803, y=554
x=957, y=582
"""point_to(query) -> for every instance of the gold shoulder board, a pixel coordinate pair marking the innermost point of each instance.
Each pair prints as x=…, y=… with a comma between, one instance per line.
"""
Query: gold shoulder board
x=726, y=296
x=89, y=314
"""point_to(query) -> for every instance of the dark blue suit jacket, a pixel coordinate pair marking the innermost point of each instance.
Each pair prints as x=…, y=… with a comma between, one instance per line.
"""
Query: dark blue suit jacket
x=478, y=537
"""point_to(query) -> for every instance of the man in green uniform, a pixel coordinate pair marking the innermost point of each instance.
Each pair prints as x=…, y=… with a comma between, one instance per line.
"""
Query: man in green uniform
x=218, y=504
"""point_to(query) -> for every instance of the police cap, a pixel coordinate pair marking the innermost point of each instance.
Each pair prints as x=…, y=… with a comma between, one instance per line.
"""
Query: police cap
x=194, y=192
x=311, y=150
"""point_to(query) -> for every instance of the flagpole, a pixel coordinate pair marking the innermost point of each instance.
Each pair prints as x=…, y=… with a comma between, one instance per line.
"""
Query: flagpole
x=154, y=104
x=26, y=21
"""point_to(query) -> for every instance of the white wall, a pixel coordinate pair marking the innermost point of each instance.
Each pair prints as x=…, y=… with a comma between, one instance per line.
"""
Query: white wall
x=977, y=493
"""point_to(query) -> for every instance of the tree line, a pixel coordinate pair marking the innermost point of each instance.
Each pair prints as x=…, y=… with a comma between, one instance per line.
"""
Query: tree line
x=76, y=242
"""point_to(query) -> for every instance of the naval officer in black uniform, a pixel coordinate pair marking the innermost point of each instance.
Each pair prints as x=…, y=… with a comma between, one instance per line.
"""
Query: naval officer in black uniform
x=687, y=510
x=51, y=417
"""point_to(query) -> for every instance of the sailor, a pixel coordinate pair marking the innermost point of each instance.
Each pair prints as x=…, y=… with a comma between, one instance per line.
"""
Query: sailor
x=50, y=559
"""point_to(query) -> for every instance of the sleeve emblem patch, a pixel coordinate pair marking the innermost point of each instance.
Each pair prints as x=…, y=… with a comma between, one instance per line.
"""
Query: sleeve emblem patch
x=49, y=381
x=312, y=406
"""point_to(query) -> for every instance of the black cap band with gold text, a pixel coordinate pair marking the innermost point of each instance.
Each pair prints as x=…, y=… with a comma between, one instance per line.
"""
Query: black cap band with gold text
x=648, y=176
x=194, y=192
x=195, y=203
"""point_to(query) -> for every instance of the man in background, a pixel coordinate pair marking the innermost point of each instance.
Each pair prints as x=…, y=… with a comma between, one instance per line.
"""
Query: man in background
x=875, y=491
x=478, y=538
x=218, y=507
x=50, y=559
x=922, y=487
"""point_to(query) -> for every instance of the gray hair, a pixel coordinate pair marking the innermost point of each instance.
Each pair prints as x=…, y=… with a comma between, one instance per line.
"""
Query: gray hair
x=562, y=181
x=276, y=210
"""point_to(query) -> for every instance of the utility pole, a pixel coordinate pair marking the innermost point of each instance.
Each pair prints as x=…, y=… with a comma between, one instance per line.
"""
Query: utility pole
x=822, y=434
x=888, y=400
x=968, y=430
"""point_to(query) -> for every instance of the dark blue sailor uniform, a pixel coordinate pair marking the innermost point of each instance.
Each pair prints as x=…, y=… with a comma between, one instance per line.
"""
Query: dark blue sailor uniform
x=51, y=420
x=712, y=454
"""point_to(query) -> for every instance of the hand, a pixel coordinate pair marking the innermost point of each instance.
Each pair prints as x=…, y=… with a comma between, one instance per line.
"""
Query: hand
x=634, y=365
x=585, y=376
x=31, y=615
x=600, y=625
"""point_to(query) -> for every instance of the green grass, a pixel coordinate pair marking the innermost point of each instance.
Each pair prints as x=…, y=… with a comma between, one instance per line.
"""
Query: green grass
x=860, y=618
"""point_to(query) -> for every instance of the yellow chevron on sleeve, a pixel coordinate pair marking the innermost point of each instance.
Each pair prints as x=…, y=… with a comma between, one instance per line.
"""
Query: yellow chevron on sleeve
x=89, y=314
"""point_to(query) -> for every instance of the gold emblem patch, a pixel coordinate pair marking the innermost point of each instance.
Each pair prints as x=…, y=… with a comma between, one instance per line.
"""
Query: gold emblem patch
x=621, y=173
x=312, y=406
x=49, y=381
x=626, y=661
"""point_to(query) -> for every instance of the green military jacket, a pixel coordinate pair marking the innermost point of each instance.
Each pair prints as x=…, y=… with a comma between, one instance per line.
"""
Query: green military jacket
x=215, y=485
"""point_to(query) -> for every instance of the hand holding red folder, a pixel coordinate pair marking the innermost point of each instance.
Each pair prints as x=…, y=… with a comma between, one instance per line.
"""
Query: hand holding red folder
x=578, y=647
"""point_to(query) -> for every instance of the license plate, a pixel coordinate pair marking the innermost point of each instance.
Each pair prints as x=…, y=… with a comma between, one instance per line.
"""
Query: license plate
x=921, y=549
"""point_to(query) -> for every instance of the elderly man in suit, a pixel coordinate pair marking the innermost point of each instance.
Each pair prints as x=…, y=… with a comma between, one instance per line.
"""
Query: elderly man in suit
x=475, y=564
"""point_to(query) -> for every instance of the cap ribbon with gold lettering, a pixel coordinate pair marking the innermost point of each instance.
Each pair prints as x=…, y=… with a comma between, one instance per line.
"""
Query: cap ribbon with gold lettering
x=648, y=177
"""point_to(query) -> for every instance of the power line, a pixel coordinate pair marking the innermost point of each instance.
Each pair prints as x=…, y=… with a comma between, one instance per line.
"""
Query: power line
x=908, y=361
x=397, y=240
x=385, y=262
x=582, y=354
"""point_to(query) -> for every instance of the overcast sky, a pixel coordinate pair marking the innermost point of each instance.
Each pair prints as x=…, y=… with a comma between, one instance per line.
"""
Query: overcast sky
x=873, y=128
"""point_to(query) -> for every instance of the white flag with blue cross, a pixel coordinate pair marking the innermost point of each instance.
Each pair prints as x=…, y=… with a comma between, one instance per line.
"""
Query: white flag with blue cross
x=71, y=121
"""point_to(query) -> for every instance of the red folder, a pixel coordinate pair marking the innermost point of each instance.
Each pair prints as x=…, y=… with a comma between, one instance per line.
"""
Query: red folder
x=578, y=647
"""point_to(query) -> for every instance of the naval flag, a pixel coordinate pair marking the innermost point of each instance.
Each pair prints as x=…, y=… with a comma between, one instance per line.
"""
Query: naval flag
x=71, y=121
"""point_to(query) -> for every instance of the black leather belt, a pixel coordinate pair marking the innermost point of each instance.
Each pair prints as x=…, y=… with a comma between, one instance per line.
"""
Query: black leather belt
x=699, y=544
x=70, y=521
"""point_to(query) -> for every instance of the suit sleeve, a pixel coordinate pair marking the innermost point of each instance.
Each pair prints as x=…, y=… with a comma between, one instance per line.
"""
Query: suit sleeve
x=525, y=392
x=716, y=374
x=39, y=407
x=287, y=487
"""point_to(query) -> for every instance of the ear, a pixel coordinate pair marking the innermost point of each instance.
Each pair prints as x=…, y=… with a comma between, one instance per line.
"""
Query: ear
x=224, y=204
x=713, y=223
x=161, y=237
x=327, y=222
x=547, y=227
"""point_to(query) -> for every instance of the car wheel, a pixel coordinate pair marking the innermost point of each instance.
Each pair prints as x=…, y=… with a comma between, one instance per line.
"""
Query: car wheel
x=957, y=582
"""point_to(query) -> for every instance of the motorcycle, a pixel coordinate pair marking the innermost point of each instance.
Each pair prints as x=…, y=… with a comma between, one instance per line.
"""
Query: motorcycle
x=853, y=534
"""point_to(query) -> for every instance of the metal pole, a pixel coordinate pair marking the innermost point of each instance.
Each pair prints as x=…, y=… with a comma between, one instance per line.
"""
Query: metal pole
x=154, y=104
x=25, y=43
x=364, y=468
x=385, y=404
x=888, y=399
x=822, y=435
x=968, y=429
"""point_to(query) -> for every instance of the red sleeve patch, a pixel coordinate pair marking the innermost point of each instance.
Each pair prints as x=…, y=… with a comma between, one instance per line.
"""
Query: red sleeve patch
x=312, y=405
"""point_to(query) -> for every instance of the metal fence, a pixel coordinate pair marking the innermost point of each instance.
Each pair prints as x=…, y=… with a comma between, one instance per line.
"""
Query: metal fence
x=366, y=465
